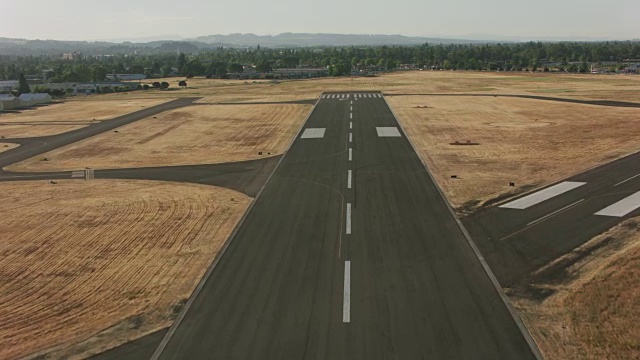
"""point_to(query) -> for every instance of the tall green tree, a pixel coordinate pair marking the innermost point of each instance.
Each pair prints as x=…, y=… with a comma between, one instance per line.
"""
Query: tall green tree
x=23, y=86
x=98, y=73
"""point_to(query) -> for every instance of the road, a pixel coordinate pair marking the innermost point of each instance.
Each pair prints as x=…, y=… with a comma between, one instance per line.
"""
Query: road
x=349, y=252
x=517, y=241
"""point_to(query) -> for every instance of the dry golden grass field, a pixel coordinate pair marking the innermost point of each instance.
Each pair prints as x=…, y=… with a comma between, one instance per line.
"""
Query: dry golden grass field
x=70, y=115
x=530, y=142
x=594, y=310
x=582, y=86
x=201, y=134
x=81, y=257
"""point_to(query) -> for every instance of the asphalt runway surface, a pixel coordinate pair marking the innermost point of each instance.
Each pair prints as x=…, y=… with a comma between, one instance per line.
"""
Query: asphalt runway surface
x=517, y=241
x=349, y=252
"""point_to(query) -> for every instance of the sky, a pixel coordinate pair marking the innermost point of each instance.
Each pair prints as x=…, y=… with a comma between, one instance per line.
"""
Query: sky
x=122, y=19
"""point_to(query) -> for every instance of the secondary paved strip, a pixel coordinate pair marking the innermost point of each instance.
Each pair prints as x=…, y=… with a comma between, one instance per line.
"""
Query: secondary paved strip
x=542, y=195
x=622, y=207
x=555, y=212
x=629, y=179
x=346, y=301
x=348, y=226
x=349, y=179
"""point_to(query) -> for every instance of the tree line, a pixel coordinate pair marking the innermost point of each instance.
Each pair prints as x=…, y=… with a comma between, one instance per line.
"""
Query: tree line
x=568, y=56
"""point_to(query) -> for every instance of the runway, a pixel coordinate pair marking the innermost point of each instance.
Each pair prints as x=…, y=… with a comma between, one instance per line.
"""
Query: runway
x=349, y=252
x=516, y=240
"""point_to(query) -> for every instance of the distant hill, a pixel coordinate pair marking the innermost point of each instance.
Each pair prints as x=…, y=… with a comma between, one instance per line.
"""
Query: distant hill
x=304, y=39
x=9, y=46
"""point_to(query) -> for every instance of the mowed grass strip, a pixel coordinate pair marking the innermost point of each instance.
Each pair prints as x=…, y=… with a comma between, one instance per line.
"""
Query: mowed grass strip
x=529, y=142
x=202, y=134
x=80, y=257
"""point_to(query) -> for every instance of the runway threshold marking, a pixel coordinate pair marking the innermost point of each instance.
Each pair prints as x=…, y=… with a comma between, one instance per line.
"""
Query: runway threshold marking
x=622, y=207
x=346, y=300
x=349, y=179
x=348, y=226
x=388, y=132
x=629, y=179
x=542, y=195
x=555, y=212
x=350, y=154
x=313, y=133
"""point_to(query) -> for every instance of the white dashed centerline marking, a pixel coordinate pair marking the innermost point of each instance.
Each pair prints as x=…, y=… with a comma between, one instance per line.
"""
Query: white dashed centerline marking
x=555, y=212
x=350, y=115
x=351, y=125
x=350, y=108
x=624, y=181
x=349, y=179
x=350, y=137
x=350, y=154
x=348, y=227
x=346, y=304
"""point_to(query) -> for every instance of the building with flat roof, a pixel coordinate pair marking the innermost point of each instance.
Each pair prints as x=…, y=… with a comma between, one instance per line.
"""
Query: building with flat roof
x=9, y=85
x=126, y=77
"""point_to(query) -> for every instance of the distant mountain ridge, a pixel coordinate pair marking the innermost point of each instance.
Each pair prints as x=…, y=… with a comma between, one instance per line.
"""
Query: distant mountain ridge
x=11, y=46
x=323, y=39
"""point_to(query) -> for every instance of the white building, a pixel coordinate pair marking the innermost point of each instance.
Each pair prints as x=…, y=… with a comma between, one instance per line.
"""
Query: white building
x=34, y=99
x=9, y=102
x=126, y=77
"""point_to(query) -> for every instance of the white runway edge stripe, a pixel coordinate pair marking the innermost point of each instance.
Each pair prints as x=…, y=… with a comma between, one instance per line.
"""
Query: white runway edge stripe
x=542, y=195
x=622, y=207
x=349, y=179
x=348, y=226
x=346, y=303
